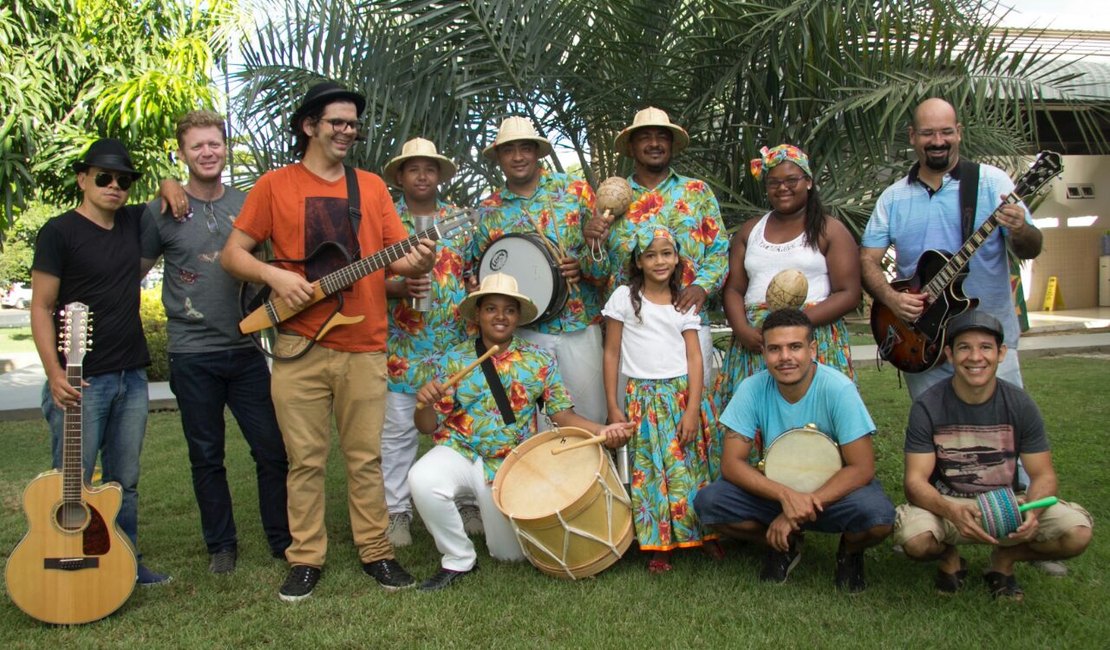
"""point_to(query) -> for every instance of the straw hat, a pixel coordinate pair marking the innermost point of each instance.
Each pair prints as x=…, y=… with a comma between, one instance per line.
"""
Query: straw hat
x=501, y=284
x=513, y=129
x=652, y=116
x=420, y=148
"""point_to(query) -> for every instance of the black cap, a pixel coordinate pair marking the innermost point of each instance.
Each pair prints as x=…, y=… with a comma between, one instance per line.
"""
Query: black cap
x=322, y=94
x=974, y=319
x=107, y=153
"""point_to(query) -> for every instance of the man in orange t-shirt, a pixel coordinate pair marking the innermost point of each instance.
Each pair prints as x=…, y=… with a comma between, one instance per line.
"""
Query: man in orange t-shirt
x=298, y=208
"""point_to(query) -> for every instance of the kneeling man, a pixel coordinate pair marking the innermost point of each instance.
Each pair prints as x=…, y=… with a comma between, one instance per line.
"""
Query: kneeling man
x=964, y=437
x=792, y=392
x=477, y=423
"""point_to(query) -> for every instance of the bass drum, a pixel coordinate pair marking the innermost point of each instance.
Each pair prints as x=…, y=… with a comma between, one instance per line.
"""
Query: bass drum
x=527, y=258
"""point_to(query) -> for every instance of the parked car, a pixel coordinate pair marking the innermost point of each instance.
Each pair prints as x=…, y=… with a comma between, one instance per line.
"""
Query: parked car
x=17, y=297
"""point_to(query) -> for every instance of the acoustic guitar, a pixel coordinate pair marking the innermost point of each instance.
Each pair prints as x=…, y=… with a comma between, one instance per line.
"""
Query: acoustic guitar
x=74, y=565
x=917, y=346
x=268, y=313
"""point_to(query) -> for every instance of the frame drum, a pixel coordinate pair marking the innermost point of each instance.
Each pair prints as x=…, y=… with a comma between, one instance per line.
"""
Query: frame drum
x=801, y=459
x=536, y=271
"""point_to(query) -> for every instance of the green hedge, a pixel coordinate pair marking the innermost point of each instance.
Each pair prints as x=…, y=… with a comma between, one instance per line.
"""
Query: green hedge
x=154, y=326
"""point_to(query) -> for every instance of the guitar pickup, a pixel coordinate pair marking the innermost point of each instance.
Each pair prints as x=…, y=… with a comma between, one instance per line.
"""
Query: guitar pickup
x=70, y=563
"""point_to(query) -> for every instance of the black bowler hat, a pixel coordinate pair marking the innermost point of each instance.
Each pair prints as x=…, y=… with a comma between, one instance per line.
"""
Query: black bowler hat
x=974, y=319
x=322, y=94
x=110, y=154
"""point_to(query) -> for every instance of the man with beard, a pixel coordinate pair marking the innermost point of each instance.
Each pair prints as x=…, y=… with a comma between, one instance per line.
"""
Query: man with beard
x=792, y=392
x=686, y=206
x=299, y=208
x=922, y=212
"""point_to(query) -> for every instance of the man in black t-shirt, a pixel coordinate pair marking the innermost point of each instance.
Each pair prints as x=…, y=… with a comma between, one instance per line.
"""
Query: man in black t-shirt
x=91, y=255
x=964, y=438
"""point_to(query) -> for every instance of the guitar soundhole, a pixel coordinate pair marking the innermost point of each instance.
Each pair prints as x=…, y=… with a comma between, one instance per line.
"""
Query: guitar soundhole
x=72, y=517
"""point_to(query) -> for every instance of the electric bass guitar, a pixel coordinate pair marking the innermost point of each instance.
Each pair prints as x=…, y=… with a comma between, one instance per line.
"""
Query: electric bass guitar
x=272, y=312
x=917, y=346
x=74, y=565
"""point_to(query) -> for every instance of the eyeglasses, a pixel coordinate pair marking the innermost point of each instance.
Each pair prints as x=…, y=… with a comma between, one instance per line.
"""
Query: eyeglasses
x=210, y=218
x=790, y=181
x=928, y=133
x=339, y=125
x=104, y=179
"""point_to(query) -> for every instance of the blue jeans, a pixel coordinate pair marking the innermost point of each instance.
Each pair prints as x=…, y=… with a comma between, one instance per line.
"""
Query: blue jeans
x=203, y=383
x=723, y=502
x=113, y=414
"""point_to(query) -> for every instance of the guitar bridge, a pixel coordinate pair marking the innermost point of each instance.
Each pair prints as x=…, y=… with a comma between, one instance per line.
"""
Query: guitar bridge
x=70, y=563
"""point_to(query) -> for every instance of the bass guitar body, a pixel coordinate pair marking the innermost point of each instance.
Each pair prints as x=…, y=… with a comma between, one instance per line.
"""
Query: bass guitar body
x=74, y=565
x=918, y=346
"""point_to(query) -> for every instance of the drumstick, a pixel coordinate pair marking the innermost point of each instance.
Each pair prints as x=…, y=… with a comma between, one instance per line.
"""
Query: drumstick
x=556, y=249
x=457, y=377
x=581, y=443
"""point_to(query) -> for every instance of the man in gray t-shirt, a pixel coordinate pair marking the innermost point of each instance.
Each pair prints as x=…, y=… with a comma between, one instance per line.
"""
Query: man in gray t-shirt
x=211, y=363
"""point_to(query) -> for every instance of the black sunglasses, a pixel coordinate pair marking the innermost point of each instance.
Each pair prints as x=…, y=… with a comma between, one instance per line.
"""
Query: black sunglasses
x=104, y=179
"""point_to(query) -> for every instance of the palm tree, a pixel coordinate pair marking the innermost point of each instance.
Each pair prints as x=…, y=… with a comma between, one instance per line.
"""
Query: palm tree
x=837, y=78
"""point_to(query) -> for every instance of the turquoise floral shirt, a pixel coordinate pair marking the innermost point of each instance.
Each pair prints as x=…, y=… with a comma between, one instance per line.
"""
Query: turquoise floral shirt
x=470, y=422
x=417, y=339
x=689, y=209
x=558, y=209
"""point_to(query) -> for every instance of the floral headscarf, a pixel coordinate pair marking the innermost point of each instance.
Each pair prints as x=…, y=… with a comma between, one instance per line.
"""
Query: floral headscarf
x=648, y=234
x=770, y=158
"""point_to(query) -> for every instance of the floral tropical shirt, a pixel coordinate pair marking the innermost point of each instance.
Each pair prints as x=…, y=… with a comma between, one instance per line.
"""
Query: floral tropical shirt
x=688, y=207
x=417, y=339
x=469, y=420
x=558, y=209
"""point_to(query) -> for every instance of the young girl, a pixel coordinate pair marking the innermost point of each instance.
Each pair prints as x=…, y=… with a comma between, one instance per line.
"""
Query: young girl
x=672, y=445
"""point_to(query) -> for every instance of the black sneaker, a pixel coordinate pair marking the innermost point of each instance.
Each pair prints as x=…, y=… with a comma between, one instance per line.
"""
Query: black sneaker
x=299, y=583
x=445, y=578
x=1003, y=587
x=849, y=571
x=223, y=561
x=389, y=574
x=778, y=565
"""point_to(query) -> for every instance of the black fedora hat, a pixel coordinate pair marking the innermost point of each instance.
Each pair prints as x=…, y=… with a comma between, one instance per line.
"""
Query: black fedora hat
x=322, y=94
x=107, y=153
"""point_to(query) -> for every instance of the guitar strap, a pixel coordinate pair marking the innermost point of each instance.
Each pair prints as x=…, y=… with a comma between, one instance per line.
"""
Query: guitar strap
x=495, y=385
x=354, y=200
x=969, y=195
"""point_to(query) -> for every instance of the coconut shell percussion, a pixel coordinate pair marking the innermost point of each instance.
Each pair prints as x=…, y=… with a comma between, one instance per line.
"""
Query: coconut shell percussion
x=614, y=195
x=1001, y=513
x=788, y=288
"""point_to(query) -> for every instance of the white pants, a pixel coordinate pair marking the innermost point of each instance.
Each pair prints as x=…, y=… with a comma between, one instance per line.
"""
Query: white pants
x=399, y=442
x=579, y=357
x=437, y=479
x=919, y=382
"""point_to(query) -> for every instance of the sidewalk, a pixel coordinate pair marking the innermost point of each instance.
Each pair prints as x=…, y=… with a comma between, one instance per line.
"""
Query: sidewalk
x=1050, y=334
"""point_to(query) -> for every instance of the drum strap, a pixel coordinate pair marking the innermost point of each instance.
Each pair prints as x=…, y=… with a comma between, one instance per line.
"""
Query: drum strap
x=495, y=385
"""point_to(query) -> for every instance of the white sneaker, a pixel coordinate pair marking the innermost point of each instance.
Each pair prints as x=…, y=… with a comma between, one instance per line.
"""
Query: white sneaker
x=398, y=531
x=472, y=519
x=1051, y=568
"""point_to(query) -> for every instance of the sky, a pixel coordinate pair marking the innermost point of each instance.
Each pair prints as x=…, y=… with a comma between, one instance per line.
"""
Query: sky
x=1059, y=14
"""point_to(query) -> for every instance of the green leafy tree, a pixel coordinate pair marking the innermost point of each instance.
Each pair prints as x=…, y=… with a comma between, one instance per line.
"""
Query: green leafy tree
x=72, y=71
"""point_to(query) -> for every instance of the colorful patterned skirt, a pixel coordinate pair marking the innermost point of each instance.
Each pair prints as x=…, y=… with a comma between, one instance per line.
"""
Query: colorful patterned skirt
x=665, y=476
x=740, y=363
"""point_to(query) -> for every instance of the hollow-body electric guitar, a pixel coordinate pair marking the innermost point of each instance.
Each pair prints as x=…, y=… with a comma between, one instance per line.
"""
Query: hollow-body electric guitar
x=74, y=565
x=271, y=312
x=917, y=346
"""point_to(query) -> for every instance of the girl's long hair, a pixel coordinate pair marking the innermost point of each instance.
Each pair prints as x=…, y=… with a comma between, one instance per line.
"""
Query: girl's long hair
x=815, y=218
x=636, y=283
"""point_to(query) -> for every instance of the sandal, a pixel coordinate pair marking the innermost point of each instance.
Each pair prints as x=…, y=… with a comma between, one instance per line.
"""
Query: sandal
x=658, y=564
x=1003, y=586
x=714, y=550
x=950, y=583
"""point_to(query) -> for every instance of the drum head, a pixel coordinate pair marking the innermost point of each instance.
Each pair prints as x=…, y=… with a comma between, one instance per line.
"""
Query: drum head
x=525, y=257
x=802, y=459
x=533, y=482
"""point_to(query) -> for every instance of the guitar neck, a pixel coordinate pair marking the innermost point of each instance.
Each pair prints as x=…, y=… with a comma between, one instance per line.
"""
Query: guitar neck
x=936, y=286
x=72, y=471
x=348, y=275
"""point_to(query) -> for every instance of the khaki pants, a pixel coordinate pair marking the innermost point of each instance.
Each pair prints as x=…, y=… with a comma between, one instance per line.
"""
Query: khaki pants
x=352, y=385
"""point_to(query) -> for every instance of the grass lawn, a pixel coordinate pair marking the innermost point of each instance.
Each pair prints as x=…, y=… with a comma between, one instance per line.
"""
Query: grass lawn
x=16, y=339
x=700, y=604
